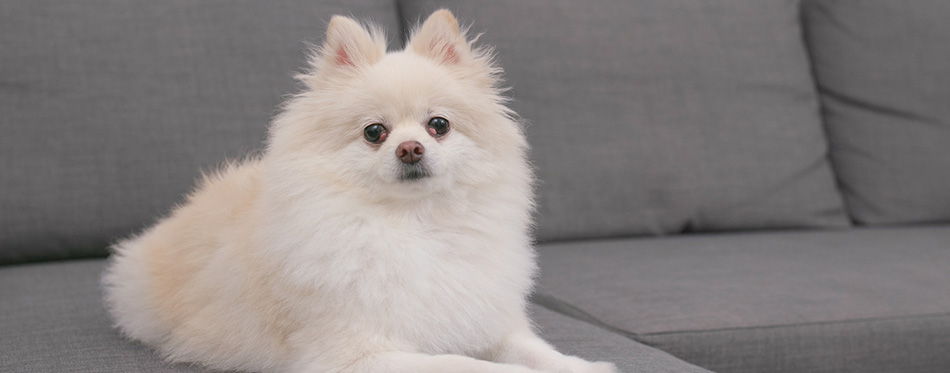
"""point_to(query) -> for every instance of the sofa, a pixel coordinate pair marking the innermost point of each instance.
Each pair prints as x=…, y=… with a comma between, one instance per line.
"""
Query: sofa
x=724, y=186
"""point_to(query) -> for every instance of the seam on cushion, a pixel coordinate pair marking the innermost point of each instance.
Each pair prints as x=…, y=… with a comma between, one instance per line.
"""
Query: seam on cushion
x=822, y=113
x=402, y=23
x=793, y=325
x=551, y=302
x=554, y=303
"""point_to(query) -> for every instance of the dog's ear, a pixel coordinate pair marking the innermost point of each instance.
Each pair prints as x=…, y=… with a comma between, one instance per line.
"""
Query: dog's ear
x=439, y=39
x=348, y=44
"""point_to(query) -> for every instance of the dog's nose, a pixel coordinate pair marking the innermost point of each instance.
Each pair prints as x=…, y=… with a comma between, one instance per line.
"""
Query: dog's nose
x=410, y=152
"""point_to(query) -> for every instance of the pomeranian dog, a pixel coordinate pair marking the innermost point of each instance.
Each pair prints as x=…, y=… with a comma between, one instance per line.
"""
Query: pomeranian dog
x=385, y=228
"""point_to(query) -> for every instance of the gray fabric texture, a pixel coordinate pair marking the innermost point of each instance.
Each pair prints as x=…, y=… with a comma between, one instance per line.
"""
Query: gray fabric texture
x=770, y=296
x=53, y=321
x=883, y=72
x=581, y=339
x=655, y=116
x=912, y=344
x=111, y=109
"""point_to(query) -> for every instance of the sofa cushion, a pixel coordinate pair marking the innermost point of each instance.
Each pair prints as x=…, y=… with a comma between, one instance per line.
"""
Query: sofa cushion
x=857, y=300
x=908, y=344
x=53, y=320
x=579, y=338
x=111, y=108
x=654, y=116
x=884, y=77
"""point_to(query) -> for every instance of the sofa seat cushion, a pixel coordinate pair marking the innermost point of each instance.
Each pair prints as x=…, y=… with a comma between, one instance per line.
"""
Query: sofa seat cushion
x=858, y=300
x=53, y=320
x=583, y=339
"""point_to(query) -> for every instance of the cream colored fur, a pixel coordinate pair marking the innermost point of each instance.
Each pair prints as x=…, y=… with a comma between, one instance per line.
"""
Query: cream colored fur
x=317, y=257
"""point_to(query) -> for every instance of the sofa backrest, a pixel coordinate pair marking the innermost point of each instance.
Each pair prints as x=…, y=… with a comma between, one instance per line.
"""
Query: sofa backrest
x=645, y=117
x=659, y=117
x=111, y=109
x=883, y=68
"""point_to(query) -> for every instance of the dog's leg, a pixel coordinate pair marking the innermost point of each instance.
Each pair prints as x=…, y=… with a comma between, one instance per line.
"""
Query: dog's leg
x=405, y=362
x=525, y=348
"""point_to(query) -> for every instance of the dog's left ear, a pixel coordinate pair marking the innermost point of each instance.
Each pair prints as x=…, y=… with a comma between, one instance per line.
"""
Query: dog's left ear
x=439, y=39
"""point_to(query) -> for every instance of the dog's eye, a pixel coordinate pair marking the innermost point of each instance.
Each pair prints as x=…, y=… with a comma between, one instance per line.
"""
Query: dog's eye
x=375, y=133
x=438, y=126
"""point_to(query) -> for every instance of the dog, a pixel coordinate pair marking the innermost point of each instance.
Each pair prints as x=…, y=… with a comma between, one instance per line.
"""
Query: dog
x=385, y=227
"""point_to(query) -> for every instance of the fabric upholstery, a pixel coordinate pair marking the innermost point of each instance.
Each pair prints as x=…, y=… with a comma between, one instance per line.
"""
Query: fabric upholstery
x=774, y=298
x=578, y=338
x=910, y=344
x=885, y=88
x=111, y=109
x=655, y=116
x=53, y=321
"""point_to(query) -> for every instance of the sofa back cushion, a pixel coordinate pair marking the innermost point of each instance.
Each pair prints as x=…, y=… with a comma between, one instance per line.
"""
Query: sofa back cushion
x=883, y=69
x=658, y=116
x=110, y=109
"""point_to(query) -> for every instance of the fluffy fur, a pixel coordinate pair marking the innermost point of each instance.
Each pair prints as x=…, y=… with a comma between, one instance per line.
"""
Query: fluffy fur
x=319, y=256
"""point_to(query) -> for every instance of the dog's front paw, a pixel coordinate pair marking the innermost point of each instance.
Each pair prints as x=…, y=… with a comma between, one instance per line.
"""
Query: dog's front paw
x=602, y=367
x=576, y=365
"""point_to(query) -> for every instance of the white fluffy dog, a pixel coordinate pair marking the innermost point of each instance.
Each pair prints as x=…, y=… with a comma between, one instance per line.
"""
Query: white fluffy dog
x=384, y=229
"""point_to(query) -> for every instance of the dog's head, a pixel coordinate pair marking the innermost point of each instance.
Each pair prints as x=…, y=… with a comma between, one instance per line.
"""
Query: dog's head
x=406, y=123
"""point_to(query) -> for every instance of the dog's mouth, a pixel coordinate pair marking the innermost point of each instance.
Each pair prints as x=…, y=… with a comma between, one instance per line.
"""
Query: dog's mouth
x=413, y=172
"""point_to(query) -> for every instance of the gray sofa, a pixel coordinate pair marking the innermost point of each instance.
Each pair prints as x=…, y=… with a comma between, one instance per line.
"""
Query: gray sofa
x=728, y=186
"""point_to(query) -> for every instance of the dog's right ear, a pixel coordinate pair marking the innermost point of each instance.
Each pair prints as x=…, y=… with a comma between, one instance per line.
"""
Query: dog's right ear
x=349, y=45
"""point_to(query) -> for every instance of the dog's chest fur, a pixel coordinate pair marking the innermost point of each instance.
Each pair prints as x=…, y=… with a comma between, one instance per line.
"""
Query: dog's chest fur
x=433, y=286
